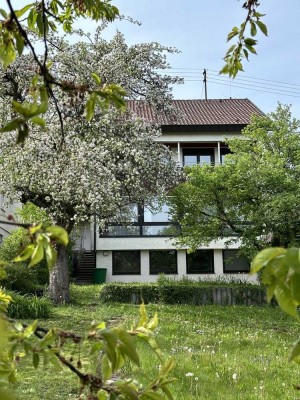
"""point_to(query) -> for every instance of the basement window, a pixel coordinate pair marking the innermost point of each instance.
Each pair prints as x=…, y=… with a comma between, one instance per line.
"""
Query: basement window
x=234, y=263
x=200, y=262
x=126, y=262
x=163, y=262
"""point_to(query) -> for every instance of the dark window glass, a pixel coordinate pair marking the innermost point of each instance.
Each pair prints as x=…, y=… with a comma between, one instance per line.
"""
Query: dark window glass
x=126, y=262
x=198, y=156
x=234, y=263
x=163, y=261
x=200, y=262
x=161, y=230
x=122, y=230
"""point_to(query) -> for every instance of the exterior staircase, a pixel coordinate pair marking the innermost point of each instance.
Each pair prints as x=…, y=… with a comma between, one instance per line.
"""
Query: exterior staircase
x=85, y=267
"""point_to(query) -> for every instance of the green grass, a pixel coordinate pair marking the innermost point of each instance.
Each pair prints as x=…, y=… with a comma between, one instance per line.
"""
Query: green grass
x=228, y=353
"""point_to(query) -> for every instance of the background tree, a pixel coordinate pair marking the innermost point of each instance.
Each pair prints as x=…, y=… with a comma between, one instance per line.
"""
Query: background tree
x=94, y=167
x=255, y=195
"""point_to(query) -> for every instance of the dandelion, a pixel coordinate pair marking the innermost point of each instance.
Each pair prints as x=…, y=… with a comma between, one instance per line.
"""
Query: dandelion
x=196, y=378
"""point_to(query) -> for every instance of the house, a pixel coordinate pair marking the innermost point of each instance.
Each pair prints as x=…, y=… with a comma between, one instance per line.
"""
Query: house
x=6, y=210
x=140, y=251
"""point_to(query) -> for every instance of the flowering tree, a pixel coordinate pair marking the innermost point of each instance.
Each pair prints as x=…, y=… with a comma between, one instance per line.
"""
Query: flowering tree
x=93, y=167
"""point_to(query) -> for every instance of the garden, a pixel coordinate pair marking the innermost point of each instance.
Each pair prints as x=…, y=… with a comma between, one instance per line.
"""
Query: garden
x=220, y=352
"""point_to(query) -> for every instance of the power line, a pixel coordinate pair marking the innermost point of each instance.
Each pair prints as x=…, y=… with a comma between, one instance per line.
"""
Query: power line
x=240, y=76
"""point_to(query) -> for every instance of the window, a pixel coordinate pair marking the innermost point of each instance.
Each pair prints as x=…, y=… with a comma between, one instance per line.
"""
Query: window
x=163, y=261
x=233, y=263
x=126, y=262
x=145, y=221
x=198, y=156
x=200, y=262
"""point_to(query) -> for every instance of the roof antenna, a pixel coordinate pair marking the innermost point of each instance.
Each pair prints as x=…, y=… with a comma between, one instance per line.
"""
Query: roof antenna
x=205, y=83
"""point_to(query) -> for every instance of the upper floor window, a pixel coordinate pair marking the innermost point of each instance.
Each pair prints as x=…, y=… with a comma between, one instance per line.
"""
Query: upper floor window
x=198, y=156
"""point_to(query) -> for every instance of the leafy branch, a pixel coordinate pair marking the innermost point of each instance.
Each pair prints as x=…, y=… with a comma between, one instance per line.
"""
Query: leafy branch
x=245, y=43
x=42, y=18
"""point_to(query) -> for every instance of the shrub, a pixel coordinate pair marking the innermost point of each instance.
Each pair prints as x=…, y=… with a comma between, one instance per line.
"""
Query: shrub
x=31, y=307
x=197, y=293
x=20, y=278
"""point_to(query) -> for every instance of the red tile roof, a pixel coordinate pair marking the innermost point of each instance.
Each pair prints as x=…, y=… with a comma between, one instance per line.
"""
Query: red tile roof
x=201, y=112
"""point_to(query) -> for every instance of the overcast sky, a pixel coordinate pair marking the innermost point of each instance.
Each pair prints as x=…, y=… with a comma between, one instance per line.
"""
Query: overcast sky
x=199, y=29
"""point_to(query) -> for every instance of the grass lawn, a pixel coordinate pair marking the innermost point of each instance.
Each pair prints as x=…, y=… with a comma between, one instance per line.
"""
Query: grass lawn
x=228, y=353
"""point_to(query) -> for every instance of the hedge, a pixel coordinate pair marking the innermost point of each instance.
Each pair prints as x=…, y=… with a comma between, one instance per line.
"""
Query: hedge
x=194, y=294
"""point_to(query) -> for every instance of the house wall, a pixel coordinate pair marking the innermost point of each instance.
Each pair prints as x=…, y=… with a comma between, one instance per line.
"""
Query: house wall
x=6, y=209
x=106, y=245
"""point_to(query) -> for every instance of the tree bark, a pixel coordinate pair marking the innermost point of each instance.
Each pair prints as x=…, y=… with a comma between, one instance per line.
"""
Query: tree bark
x=59, y=277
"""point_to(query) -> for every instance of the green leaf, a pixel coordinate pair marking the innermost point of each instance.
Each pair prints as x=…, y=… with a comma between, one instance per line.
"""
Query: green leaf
x=51, y=256
x=143, y=315
x=90, y=106
x=253, y=30
x=20, y=43
x=37, y=255
x=97, y=78
x=129, y=346
x=262, y=27
x=295, y=351
x=246, y=54
x=166, y=368
x=250, y=42
x=106, y=369
x=264, y=257
x=251, y=49
x=58, y=234
x=167, y=392
x=7, y=52
x=38, y=121
x=12, y=125
x=285, y=301
x=102, y=395
x=23, y=10
x=35, y=359
x=151, y=396
x=129, y=392
x=26, y=253
x=3, y=13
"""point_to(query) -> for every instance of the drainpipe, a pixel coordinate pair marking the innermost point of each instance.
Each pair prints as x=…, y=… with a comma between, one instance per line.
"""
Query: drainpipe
x=178, y=154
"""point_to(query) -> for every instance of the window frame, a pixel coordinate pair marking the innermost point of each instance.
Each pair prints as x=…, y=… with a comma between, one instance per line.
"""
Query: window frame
x=163, y=272
x=233, y=271
x=125, y=273
x=200, y=273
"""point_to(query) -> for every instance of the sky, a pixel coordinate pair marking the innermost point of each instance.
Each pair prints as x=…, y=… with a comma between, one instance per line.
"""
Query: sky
x=199, y=30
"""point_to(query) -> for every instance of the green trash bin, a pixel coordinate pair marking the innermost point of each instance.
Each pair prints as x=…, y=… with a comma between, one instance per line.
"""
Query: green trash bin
x=99, y=275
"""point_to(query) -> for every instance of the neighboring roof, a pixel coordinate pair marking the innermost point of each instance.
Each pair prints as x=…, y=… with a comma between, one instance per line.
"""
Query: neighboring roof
x=201, y=112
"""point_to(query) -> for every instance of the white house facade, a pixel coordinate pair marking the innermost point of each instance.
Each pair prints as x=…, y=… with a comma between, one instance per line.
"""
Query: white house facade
x=138, y=252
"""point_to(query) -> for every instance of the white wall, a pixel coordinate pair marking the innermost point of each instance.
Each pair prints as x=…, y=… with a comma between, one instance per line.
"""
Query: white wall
x=104, y=260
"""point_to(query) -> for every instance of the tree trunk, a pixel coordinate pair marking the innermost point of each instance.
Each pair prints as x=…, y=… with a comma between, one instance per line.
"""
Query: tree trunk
x=59, y=277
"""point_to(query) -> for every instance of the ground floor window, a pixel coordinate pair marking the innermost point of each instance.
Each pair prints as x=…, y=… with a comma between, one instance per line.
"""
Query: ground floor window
x=233, y=263
x=126, y=262
x=163, y=261
x=200, y=262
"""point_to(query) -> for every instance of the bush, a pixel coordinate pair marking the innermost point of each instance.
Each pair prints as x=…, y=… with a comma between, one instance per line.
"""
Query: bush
x=173, y=292
x=20, y=278
x=31, y=307
x=25, y=280
x=130, y=293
